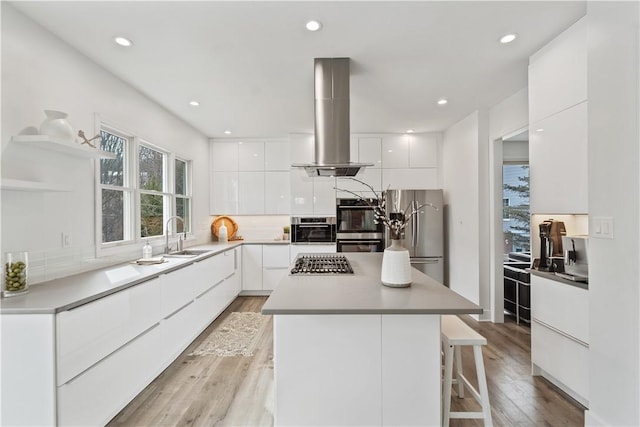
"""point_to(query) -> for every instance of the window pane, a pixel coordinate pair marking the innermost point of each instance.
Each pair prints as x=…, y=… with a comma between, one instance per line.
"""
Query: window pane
x=181, y=178
x=515, y=200
x=150, y=215
x=112, y=170
x=183, y=207
x=151, y=171
x=112, y=215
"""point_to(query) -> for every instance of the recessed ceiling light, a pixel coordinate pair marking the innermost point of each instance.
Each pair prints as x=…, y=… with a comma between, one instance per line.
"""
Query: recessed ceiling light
x=442, y=101
x=508, y=38
x=313, y=25
x=409, y=130
x=227, y=132
x=194, y=103
x=122, y=41
x=540, y=130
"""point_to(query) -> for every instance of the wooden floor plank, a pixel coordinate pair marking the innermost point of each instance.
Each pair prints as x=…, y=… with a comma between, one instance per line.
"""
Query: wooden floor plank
x=238, y=391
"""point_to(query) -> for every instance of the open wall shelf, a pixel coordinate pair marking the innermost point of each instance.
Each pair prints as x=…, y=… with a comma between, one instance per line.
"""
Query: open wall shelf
x=45, y=142
x=34, y=186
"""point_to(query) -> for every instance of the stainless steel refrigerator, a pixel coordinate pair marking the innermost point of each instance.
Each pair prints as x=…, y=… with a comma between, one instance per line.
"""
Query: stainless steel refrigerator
x=424, y=234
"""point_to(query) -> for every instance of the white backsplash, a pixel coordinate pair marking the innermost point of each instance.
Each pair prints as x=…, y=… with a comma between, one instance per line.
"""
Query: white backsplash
x=261, y=227
x=576, y=225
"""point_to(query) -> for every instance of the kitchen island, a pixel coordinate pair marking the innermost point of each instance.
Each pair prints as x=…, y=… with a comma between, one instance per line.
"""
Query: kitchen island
x=350, y=351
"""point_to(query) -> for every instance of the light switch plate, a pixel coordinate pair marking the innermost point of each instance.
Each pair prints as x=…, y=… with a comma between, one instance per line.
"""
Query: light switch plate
x=602, y=227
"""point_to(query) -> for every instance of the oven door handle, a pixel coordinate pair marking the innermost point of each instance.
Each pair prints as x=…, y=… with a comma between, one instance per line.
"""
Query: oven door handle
x=359, y=241
x=312, y=225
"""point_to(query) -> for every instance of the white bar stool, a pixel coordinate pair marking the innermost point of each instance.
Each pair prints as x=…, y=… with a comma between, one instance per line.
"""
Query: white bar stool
x=455, y=333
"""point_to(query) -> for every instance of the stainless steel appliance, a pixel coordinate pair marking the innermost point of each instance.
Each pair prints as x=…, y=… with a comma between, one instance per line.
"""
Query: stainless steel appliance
x=331, y=113
x=313, y=229
x=424, y=234
x=321, y=264
x=551, y=232
x=576, y=260
x=357, y=230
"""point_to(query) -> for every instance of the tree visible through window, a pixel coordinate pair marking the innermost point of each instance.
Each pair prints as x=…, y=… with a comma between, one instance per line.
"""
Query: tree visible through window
x=151, y=170
x=114, y=193
x=137, y=189
x=516, y=216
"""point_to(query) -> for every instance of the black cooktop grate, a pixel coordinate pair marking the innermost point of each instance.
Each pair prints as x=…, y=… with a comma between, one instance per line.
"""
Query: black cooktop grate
x=321, y=264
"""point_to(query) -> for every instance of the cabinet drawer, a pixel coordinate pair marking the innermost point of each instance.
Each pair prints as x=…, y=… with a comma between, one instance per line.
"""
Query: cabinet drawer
x=97, y=395
x=90, y=332
x=561, y=306
x=272, y=276
x=563, y=358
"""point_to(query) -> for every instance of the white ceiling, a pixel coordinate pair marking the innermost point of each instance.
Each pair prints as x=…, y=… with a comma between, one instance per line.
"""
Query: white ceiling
x=250, y=64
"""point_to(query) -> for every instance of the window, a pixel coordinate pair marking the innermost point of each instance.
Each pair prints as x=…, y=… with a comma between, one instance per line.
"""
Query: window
x=515, y=210
x=140, y=190
x=116, y=192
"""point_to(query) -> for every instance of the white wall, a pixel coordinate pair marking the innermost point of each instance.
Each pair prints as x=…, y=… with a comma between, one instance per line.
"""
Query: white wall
x=460, y=152
x=614, y=191
x=41, y=72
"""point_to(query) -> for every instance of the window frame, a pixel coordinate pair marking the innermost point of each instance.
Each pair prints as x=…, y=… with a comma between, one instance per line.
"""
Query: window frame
x=131, y=185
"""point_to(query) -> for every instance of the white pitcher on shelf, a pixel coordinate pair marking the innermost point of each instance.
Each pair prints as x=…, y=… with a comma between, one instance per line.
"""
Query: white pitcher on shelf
x=56, y=126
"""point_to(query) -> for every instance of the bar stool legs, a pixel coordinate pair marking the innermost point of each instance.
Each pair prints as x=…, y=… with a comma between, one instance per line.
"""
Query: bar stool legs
x=455, y=334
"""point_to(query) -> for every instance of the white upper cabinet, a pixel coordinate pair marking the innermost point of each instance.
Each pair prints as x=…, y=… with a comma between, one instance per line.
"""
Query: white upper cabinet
x=423, y=150
x=395, y=151
x=301, y=192
x=224, y=193
x=558, y=143
x=370, y=151
x=558, y=73
x=417, y=179
x=251, y=156
x=224, y=156
x=558, y=163
x=251, y=195
x=301, y=149
x=277, y=192
x=277, y=156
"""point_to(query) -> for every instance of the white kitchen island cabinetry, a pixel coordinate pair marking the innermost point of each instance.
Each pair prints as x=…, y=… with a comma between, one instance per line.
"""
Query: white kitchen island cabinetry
x=84, y=362
x=351, y=352
x=559, y=336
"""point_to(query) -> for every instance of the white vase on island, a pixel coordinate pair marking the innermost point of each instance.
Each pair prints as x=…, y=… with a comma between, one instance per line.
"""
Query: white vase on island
x=396, y=266
x=56, y=126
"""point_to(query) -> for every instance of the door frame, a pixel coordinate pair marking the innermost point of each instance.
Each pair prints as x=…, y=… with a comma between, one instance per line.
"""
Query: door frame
x=495, y=224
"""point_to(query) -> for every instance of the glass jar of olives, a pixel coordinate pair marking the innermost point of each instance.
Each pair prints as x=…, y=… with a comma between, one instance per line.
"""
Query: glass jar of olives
x=14, y=279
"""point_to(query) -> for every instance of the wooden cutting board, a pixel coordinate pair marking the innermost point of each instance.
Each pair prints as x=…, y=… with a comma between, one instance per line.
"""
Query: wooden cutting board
x=232, y=226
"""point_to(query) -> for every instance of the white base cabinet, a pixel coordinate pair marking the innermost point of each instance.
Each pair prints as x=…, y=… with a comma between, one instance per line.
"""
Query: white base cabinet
x=560, y=337
x=263, y=268
x=87, y=363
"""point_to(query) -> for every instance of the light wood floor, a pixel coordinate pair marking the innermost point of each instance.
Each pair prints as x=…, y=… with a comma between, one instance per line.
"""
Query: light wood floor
x=238, y=391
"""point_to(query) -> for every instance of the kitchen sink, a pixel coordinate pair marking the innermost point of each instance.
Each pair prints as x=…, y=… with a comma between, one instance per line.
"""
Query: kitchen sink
x=187, y=253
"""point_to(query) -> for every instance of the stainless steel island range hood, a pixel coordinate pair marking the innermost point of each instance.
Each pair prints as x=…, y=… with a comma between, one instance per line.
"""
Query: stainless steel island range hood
x=332, y=131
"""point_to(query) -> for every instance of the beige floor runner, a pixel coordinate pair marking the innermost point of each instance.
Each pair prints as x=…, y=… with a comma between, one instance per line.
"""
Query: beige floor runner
x=235, y=336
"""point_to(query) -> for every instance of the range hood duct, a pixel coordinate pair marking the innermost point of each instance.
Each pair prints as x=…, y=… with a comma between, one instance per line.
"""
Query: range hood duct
x=332, y=131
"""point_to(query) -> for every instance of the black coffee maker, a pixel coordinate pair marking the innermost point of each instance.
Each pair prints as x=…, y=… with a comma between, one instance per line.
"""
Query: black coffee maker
x=551, y=232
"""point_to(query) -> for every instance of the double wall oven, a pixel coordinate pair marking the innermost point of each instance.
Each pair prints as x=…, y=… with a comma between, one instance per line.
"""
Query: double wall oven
x=357, y=230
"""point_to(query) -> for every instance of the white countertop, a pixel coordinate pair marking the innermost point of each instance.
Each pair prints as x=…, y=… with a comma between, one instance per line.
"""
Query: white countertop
x=62, y=294
x=363, y=293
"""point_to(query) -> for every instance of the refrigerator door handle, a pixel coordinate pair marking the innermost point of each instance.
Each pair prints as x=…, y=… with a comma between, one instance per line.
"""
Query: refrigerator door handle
x=414, y=229
x=426, y=261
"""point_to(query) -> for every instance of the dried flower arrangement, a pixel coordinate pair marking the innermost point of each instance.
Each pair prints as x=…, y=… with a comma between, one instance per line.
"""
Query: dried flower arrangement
x=394, y=221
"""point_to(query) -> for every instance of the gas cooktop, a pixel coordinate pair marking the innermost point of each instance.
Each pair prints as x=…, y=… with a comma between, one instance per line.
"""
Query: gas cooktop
x=321, y=264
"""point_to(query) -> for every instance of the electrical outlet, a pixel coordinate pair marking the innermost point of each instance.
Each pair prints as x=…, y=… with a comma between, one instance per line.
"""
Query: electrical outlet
x=66, y=239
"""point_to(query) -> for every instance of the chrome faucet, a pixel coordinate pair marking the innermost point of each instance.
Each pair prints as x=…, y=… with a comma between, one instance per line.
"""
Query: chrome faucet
x=167, y=248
